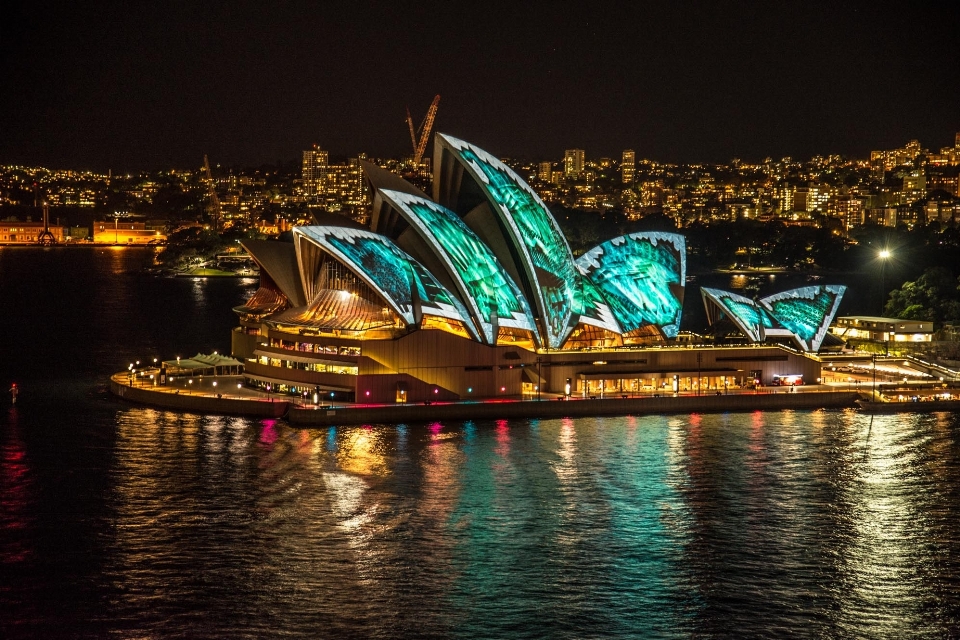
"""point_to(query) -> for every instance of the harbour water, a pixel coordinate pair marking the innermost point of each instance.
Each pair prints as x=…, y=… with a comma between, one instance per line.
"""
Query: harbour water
x=124, y=521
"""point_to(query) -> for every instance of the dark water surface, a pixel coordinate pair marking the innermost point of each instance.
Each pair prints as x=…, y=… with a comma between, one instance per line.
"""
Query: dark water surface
x=122, y=521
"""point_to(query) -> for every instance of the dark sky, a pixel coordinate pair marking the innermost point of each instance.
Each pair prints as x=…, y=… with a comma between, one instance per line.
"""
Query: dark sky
x=145, y=85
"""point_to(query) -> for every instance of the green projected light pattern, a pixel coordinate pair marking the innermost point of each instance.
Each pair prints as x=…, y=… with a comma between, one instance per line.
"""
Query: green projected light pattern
x=548, y=261
x=486, y=286
x=744, y=312
x=592, y=307
x=803, y=313
x=807, y=311
x=374, y=259
x=437, y=300
x=387, y=269
x=638, y=275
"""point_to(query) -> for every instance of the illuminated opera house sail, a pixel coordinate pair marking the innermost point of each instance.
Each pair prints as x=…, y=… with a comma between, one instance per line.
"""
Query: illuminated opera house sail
x=801, y=315
x=475, y=292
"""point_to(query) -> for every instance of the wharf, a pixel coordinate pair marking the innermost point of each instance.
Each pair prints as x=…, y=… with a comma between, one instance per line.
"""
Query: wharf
x=574, y=408
x=235, y=400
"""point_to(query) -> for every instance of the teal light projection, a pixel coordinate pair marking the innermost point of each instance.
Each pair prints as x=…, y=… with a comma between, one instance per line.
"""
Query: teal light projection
x=641, y=276
x=387, y=269
x=373, y=258
x=804, y=314
x=744, y=312
x=807, y=312
x=546, y=257
x=592, y=308
x=482, y=280
x=437, y=300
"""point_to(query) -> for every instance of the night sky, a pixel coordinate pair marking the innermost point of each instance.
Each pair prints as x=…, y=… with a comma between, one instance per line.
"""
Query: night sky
x=132, y=86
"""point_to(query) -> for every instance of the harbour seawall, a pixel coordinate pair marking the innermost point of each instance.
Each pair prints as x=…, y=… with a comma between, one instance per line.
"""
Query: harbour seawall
x=198, y=403
x=331, y=416
x=309, y=416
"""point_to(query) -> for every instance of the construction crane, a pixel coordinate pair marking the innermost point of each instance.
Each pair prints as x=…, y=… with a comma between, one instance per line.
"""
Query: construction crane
x=419, y=146
x=46, y=237
x=213, y=207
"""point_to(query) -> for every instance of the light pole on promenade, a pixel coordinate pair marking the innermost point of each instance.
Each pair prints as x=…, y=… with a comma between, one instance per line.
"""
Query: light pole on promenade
x=884, y=255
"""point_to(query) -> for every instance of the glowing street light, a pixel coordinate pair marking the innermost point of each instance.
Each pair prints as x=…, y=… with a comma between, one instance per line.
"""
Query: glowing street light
x=883, y=255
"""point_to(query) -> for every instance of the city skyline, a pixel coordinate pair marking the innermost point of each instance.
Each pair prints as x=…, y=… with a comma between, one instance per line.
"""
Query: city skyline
x=142, y=88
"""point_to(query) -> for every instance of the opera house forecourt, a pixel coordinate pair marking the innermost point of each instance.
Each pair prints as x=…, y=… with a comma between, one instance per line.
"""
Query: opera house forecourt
x=473, y=293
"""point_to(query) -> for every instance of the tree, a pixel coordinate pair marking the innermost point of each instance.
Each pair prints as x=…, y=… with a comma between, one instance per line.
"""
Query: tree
x=934, y=296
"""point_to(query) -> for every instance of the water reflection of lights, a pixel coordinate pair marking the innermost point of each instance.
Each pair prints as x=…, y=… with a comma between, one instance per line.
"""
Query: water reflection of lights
x=566, y=468
x=360, y=451
x=268, y=432
x=441, y=464
x=199, y=290
x=676, y=443
x=503, y=439
x=346, y=498
x=213, y=433
x=885, y=520
x=16, y=493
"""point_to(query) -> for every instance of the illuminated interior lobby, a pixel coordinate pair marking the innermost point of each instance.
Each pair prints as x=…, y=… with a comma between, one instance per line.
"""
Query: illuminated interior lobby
x=473, y=292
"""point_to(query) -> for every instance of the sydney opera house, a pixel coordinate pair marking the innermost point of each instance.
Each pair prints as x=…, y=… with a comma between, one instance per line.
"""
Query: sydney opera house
x=473, y=292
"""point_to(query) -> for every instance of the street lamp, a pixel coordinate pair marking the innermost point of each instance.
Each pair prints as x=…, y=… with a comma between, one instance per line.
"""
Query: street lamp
x=883, y=255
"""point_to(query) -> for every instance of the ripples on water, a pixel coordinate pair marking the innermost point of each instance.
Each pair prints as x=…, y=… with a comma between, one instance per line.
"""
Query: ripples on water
x=120, y=521
x=815, y=524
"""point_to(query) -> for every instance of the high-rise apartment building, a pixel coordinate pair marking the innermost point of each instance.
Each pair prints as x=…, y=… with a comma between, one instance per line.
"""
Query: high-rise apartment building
x=628, y=166
x=545, y=171
x=573, y=163
x=315, y=163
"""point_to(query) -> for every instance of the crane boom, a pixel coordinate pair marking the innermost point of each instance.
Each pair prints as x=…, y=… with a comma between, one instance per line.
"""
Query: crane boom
x=425, y=134
x=214, y=205
x=413, y=132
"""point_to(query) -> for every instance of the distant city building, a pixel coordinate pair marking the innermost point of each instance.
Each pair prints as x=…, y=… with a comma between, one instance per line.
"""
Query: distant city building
x=628, y=166
x=914, y=187
x=811, y=198
x=545, y=171
x=334, y=186
x=850, y=210
x=14, y=232
x=126, y=232
x=898, y=157
x=315, y=163
x=573, y=163
x=785, y=194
